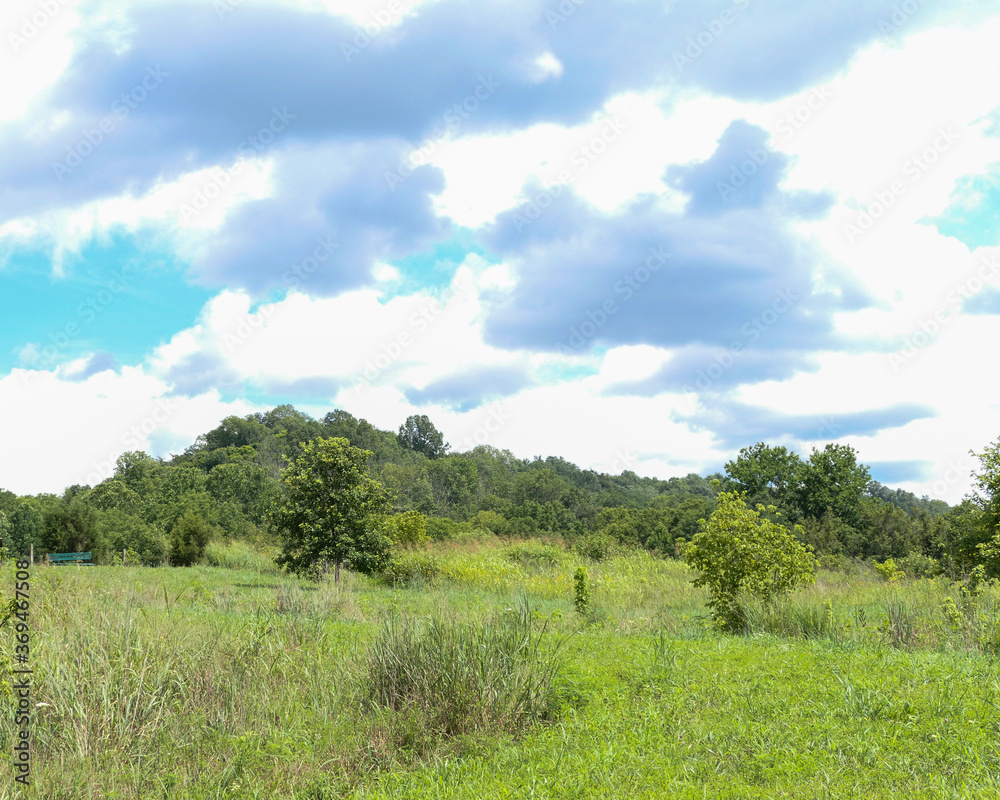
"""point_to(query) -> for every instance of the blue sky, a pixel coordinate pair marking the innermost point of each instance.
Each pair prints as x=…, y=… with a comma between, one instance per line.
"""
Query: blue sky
x=638, y=235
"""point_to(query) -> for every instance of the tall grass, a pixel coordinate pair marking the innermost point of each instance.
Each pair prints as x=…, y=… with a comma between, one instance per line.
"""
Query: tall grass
x=459, y=677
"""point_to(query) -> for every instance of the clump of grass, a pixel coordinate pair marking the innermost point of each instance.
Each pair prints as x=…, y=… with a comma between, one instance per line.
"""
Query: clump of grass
x=242, y=556
x=465, y=678
x=535, y=554
x=791, y=618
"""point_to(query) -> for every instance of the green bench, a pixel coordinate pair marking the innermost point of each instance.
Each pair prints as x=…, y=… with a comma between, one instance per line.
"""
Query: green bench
x=83, y=559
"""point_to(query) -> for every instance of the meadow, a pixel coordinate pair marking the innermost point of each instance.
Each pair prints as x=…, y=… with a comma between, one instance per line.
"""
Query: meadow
x=474, y=676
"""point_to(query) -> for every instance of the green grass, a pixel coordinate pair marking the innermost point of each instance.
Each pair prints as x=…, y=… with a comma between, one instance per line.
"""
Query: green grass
x=233, y=681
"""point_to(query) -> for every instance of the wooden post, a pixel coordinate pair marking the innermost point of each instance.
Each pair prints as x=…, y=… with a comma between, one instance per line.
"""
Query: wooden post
x=123, y=556
x=32, y=555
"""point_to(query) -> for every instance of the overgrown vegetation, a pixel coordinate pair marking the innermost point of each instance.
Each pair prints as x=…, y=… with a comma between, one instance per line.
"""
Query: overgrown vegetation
x=229, y=682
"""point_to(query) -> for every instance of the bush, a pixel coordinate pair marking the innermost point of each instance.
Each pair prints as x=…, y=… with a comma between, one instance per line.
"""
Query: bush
x=596, y=546
x=888, y=570
x=492, y=521
x=408, y=529
x=741, y=554
x=458, y=679
x=188, y=540
x=125, y=532
x=408, y=567
x=917, y=565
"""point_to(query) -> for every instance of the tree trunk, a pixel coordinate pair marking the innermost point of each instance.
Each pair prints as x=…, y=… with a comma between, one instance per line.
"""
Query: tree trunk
x=336, y=571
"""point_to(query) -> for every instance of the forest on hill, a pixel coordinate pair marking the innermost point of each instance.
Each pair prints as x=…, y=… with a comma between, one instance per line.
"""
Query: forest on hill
x=228, y=484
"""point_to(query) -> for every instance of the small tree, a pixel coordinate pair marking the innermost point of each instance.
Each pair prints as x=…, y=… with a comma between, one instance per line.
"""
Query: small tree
x=188, y=540
x=740, y=553
x=334, y=512
x=419, y=434
x=407, y=530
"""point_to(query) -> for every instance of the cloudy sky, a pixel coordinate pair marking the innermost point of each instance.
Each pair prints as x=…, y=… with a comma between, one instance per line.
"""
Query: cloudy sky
x=638, y=234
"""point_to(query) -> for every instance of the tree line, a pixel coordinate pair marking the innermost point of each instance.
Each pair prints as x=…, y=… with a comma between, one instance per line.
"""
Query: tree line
x=233, y=482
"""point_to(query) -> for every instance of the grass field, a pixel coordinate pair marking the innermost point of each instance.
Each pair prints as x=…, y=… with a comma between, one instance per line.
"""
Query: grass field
x=232, y=681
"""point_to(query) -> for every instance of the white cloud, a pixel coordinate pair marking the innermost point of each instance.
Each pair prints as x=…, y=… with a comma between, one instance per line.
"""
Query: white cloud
x=72, y=432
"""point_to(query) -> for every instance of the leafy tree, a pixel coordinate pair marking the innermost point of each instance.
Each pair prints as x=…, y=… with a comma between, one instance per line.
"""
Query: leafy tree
x=419, y=434
x=986, y=500
x=126, y=532
x=73, y=527
x=740, y=553
x=188, y=540
x=767, y=475
x=833, y=480
x=136, y=470
x=334, y=511
x=408, y=529
x=491, y=521
x=114, y=493
x=987, y=482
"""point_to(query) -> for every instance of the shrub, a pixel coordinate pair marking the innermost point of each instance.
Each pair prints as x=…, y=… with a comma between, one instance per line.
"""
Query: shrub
x=888, y=570
x=188, y=540
x=740, y=553
x=917, y=565
x=458, y=678
x=407, y=567
x=408, y=529
x=492, y=521
x=596, y=546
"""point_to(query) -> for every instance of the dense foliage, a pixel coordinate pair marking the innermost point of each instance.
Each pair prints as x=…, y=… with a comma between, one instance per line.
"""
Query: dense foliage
x=230, y=481
x=741, y=554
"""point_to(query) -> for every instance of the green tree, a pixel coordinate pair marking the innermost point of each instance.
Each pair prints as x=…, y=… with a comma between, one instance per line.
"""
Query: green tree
x=188, y=540
x=833, y=480
x=73, y=527
x=740, y=553
x=334, y=512
x=419, y=434
x=407, y=530
x=768, y=475
x=986, y=500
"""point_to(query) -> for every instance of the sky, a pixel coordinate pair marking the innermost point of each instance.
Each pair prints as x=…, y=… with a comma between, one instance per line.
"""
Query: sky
x=637, y=235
